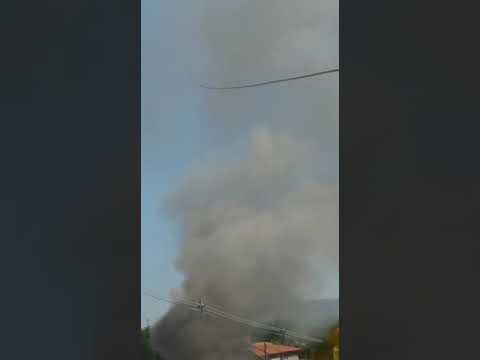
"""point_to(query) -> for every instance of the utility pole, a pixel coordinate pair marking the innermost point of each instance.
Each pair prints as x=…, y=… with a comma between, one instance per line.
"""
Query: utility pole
x=201, y=306
x=265, y=350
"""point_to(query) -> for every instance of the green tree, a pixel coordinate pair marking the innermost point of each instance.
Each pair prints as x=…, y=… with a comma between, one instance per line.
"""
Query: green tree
x=330, y=349
x=147, y=351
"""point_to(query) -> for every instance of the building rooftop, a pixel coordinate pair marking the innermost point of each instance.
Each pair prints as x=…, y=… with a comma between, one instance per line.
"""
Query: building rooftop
x=272, y=349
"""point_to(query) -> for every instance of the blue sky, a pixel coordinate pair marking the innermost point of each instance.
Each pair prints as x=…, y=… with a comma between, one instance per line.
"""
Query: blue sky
x=170, y=133
x=177, y=115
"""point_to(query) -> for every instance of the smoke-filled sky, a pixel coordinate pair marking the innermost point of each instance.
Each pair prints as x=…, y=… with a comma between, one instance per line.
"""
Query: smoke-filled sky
x=255, y=170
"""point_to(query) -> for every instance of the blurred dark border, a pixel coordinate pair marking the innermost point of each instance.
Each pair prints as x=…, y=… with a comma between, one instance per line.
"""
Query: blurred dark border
x=70, y=181
x=409, y=181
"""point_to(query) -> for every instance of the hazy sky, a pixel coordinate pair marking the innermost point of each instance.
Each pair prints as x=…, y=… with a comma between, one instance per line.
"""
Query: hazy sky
x=191, y=42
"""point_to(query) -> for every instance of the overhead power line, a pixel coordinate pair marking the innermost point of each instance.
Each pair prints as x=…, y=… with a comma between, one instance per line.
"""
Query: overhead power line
x=263, y=83
x=216, y=312
x=181, y=302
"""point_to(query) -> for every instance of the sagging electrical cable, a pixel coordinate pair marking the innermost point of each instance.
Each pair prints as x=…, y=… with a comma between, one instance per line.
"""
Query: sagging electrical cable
x=270, y=81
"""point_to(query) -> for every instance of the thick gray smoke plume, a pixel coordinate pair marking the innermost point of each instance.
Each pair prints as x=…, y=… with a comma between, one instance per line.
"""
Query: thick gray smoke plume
x=253, y=233
x=259, y=231
x=254, y=228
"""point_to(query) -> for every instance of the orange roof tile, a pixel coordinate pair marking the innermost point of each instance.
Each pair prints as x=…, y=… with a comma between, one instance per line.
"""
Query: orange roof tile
x=272, y=349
